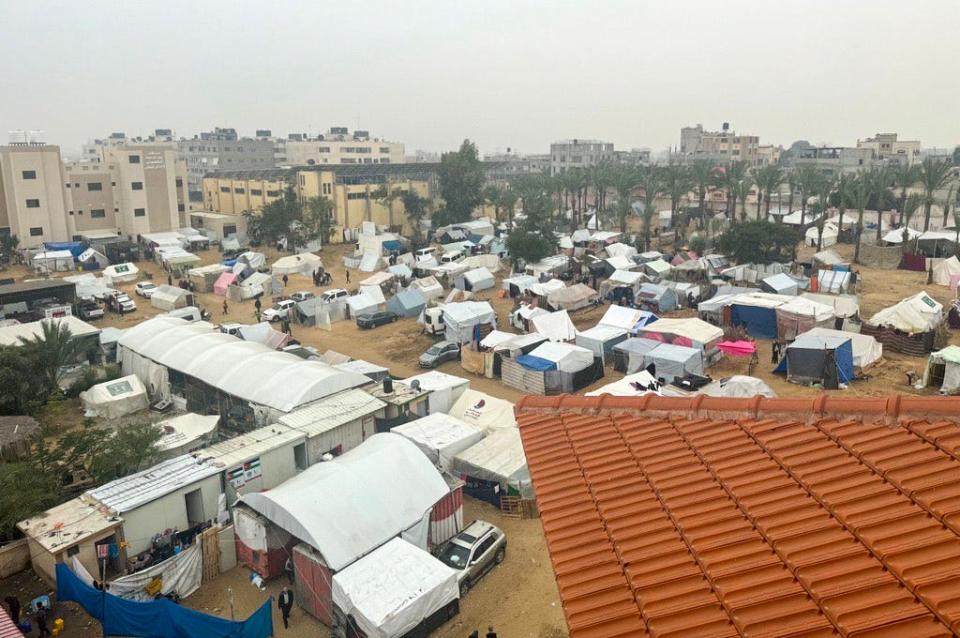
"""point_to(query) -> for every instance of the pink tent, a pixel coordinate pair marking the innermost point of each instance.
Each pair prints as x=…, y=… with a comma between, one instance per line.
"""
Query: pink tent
x=737, y=348
x=224, y=281
x=954, y=281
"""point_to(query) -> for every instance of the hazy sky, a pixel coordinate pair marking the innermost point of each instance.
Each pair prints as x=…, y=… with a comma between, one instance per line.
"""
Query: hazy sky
x=506, y=74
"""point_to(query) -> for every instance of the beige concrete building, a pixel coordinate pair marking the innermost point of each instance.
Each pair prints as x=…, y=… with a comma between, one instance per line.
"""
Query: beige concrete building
x=888, y=148
x=337, y=146
x=577, y=153
x=32, y=202
x=720, y=146
x=768, y=155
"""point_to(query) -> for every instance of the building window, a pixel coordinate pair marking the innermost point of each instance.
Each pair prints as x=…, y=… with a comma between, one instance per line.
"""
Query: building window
x=323, y=149
x=384, y=149
x=357, y=195
x=137, y=186
x=134, y=159
x=384, y=160
x=97, y=213
x=29, y=174
x=94, y=186
x=36, y=231
x=179, y=182
x=273, y=193
x=240, y=191
x=139, y=212
x=256, y=192
x=224, y=189
x=181, y=208
x=33, y=203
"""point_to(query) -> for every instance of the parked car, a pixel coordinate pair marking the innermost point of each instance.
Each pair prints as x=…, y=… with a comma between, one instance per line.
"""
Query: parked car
x=279, y=311
x=334, y=294
x=473, y=552
x=89, y=310
x=438, y=353
x=451, y=257
x=302, y=295
x=376, y=319
x=145, y=289
x=120, y=300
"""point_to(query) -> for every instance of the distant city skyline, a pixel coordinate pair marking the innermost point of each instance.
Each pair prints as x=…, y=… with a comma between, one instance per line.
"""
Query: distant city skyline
x=504, y=74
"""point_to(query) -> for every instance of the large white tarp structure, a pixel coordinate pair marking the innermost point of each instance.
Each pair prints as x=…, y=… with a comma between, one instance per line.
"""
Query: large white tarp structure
x=555, y=326
x=484, y=411
x=167, y=297
x=478, y=279
x=919, y=313
x=946, y=272
x=429, y=286
x=300, y=264
x=444, y=388
x=460, y=318
x=347, y=507
x=114, y=399
x=440, y=436
x=844, y=306
x=499, y=458
x=394, y=589
x=866, y=349
x=695, y=331
x=738, y=386
x=567, y=357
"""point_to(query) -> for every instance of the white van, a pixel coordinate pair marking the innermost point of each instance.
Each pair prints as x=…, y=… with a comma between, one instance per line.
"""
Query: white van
x=189, y=313
x=423, y=253
x=449, y=258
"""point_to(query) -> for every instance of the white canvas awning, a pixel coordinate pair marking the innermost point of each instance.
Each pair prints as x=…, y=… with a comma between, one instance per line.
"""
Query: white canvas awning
x=555, y=326
x=440, y=436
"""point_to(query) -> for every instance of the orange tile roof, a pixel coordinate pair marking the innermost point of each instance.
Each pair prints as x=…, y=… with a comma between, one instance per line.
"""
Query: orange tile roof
x=681, y=517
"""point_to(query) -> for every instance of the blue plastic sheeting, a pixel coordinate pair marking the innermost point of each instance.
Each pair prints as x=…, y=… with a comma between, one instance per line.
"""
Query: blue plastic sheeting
x=158, y=618
x=407, y=303
x=229, y=263
x=843, y=355
x=841, y=267
x=646, y=318
x=761, y=323
x=536, y=363
x=75, y=247
x=392, y=245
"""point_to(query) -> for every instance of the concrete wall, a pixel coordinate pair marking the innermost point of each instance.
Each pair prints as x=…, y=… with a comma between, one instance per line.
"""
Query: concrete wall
x=44, y=562
x=276, y=466
x=14, y=557
x=47, y=187
x=348, y=436
x=170, y=511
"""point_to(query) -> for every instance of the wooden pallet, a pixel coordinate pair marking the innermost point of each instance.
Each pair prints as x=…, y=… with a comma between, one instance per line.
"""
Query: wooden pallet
x=210, y=546
x=511, y=506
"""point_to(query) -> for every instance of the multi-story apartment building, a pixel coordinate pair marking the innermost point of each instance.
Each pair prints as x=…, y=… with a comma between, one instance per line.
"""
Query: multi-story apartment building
x=633, y=157
x=888, y=149
x=768, y=155
x=337, y=146
x=721, y=146
x=32, y=202
x=223, y=150
x=510, y=165
x=833, y=160
x=577, y=153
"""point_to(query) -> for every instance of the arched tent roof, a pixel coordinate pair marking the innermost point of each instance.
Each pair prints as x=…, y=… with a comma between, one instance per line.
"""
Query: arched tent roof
x=244, y=369
x=347, y=507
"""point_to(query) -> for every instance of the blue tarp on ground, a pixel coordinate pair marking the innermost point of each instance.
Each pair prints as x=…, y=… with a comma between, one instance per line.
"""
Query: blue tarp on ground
x=391, y=245
x=76, y=248
x=536, y=363
x=761, y=323
x=157, y=618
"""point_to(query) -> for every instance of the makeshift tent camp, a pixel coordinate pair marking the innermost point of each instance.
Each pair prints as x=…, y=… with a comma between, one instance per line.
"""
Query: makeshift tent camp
x=494, y=466
x=429, y=286
x=572, y=297
x=301, y=264
x=866, y=349
x=628, y=354
x=601, y=339
x=444, y=389
x=555, y=326
x=756, y=312
x=656, y=298
x=518, y=284
x=440, y=436
x=407, y=303
x=833, y=281
x=462, y=320
x=738, y=386
x=113, y=399
x=781, y=284
x=844, y=306
x=476, y=280
x=621, y=262
x=564, y=357
x=819, y=359
x=672, y=361
x=943, y=368
x=397, y=590
x=121, y=273
x=483, y=411
x=224, y=281
x=689, y=332
x=947, y=272
x=167, y=297
x=909, y=326
x=52, y=261
x=361, y=490
x=657, y=268
x=624, y=318
x=799, y=315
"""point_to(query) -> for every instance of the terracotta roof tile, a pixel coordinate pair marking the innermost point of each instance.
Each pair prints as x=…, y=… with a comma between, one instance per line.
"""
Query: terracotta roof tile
x=753, y=517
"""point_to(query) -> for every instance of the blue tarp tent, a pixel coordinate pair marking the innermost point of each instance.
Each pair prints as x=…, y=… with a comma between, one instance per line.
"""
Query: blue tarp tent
x=760, y=322
x=407, y=303
x=827, y=360
x=536, y=363
x=157, y=618
x=76, y=248
x=391, y=245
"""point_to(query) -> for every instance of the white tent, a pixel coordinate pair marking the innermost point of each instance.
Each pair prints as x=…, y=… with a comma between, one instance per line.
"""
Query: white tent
x=738, y=386
x=600, y=340
x=167, y=297
x=632, y=385
x=52, y=261
x=781, y=284
x=567, y=357
x=546, y=288
x=401, y=271
x=252, y=259
x=113, y=399
x=521, y=282
x=362, y=304
x=621, y=249
x=440, y=436
x=828, y=258
x=429, y=286
x=394, y=589
x=486, y=412
x=844, y=306
x=378, y=279
x=946, y=271
x=374, y=292
x=258, y=283
x=185, y=433
x=690, y=331
x=623, y=317
x=628, y=278
x=495, y=338
x=444, y=389
x=919, y=313
x=672, y=361
x=303, y=264
x=657, y=267
x=572, y=297
x=121, y=273
x=866, y=349
x=347, y=507
x=478, y=279
x=93, y=255
x=263, y=333
x=621, y=262
x=949, y=358
x=830, y=236
x=836, y=281
x=490, y=262
x=896, y=236
x=460, y=318
x=370, y=263
x=555, y=326
x=498, y=458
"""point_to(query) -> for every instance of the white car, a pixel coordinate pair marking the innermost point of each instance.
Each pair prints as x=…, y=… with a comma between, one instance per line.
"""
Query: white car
x=334, y=294
x=303, y=295
x=279, y=311
x=145, y=289
x=122, y=300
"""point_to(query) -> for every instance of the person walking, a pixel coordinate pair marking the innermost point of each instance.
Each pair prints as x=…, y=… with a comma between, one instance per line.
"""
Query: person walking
x=348, y=275
x=224, y=306
x=41, y=617
x=169, y=279
x=256, y=313
x=14, y=604
x=491, y=633
x=257, y=304
x=285, y=603
x=285, y=280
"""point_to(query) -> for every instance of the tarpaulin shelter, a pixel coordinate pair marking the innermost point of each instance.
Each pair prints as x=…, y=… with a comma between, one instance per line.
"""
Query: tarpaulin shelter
x=622, y=283
x=866, y=349
x=628, y=354
x=476, y=280
x=224, y=281
x=397, y=590
x=689, y=332
x=300, y=264
x=656, y=298
x=780, y=284
x=263, y=333
x=167, y=297
x=407, y=303
x=555, y=326
x=601, y=339
x=553, y=266
x=757, y=313
x=75, y=248
x=381, y=280
x=349, y=506
x=440, y=436
x=490, y=262
x=494, y=466
x=95, y=257
x=737, y=348
x=633, y=385
x=834, y=281
x=673, y=361
x=826, y=360
x=461, y=319
x=564, y=357
x=116, y=398
x=517, y=285
x=844, y=306
x=947, y=272
x=546, y=288
x=943, y=368
x=121, y=273
x=657, y=267
x=830, y=235
x=620, y=249
x=185, y=433
x=402, y=272
x=254, y=260
x=444, y=388
x=522, y=317
x=258, y=283
x=799, y=315
x=161, y=618
x=621, y=262
x=572, y=297
x=52, y=261
x=916, y=314
x=204, y=278
x=485, y=412
x=828, y=259
x=738, y=386
x=429, y=286
x=362, y=304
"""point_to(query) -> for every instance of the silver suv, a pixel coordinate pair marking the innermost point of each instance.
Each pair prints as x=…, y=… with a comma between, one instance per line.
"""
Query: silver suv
x=475, y=551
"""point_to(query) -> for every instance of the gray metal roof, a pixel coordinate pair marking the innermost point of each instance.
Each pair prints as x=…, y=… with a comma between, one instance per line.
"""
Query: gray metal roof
x=326, y=414
x=130, y=492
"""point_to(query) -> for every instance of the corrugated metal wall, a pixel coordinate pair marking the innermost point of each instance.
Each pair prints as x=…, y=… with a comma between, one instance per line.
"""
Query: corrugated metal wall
x=446, y=519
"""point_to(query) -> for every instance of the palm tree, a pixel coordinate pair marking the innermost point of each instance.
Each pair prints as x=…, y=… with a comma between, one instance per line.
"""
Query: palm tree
x=53, y=349
x=701, y=173
x=676, y=184
x=741, y=191
x=602, y=176
x=415, y=208
x=841, y=186
x=910, y=206
x=387, y=194
x=807, y=179
x=881, y=182
x=860, y=190
x=491, y=197
x=769, y=179
x=933, y=176
x=651, y=184
x=625, y=179
x=947, y=203
x=905, y=176
x=736, y=172
x=792, y=185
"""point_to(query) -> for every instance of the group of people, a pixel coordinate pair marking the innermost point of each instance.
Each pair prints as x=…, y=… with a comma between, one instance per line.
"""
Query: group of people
x=41, y=615
x=490, y=633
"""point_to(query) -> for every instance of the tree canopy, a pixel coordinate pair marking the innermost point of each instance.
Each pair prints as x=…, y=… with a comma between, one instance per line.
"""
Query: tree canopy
x=299, y=222
x=461, y=182
x=759, y=242
x=533, y=238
